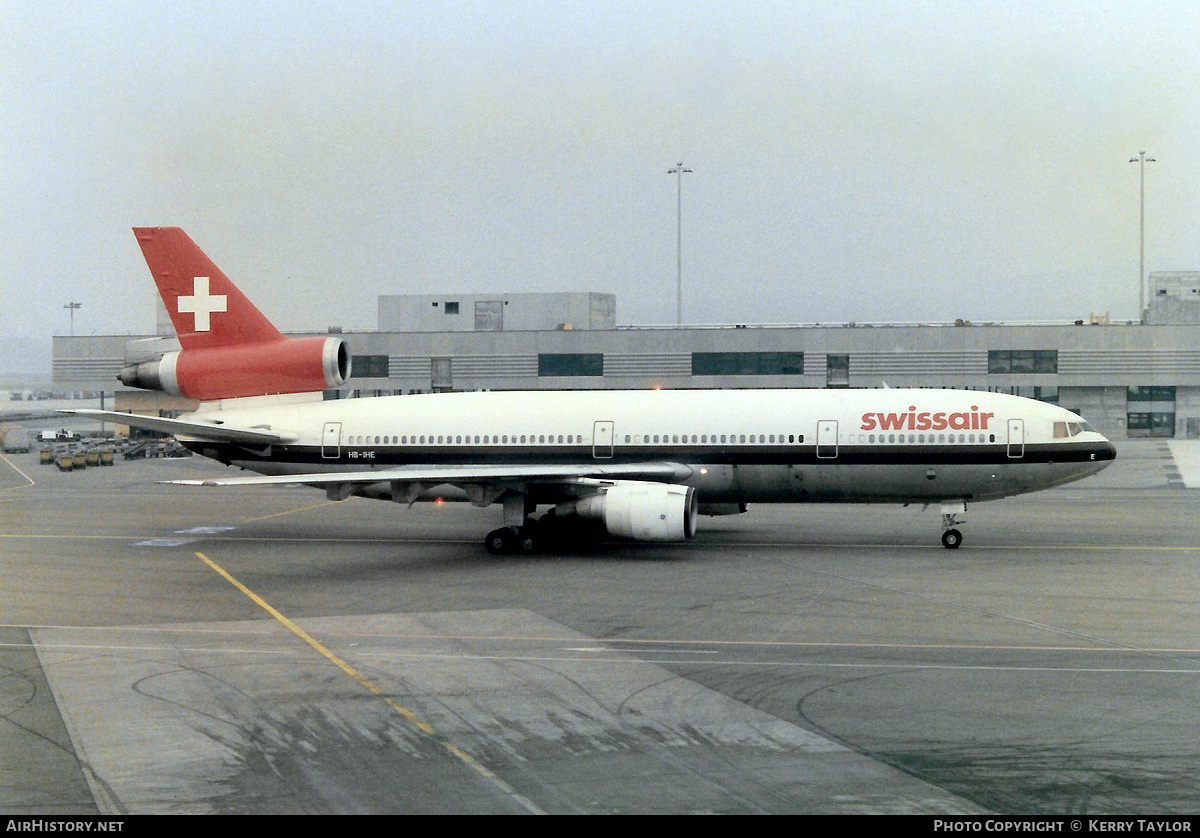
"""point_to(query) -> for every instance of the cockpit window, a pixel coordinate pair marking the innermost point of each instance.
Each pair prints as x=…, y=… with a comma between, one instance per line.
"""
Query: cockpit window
x=1068, y=429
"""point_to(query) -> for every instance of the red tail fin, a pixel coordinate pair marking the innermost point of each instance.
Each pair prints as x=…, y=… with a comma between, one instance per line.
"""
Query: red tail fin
x=206, y=309
x=228, y=348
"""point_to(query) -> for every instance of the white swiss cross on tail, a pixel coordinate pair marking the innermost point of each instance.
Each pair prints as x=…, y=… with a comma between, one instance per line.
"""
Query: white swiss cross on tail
x=201, y=303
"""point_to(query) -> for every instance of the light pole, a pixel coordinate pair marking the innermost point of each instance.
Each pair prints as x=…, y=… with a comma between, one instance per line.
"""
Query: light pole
x=1142, y=160
x=72, y=307
x=679, y=171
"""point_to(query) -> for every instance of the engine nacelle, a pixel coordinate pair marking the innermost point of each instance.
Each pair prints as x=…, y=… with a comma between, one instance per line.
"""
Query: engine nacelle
x=292, y=365
x=644, y=511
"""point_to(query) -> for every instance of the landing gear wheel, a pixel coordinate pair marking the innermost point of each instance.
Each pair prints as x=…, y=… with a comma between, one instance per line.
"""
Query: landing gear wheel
x=499, y=542
x=951, y=539
x=525, y=541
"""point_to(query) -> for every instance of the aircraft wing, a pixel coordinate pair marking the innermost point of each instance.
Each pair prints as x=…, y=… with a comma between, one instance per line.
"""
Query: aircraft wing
x=185, y=428
x=459, y=474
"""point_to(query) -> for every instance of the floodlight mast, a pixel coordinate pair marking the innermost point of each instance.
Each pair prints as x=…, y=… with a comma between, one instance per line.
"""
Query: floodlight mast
x=679, y=171
x=1142, y=160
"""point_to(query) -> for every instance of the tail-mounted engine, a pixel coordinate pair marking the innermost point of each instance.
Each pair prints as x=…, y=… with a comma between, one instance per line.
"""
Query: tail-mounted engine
x=291, y=365
x=643, y=511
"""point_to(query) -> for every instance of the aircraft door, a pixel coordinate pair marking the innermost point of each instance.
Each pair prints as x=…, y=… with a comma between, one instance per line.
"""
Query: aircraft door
x=602, y=439
x=827, y=439
x=1016, y=438
x=331, y=440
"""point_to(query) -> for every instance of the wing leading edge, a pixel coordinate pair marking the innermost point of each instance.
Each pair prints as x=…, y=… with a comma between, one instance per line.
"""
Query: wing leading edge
x=192, y=430
x=455, y=474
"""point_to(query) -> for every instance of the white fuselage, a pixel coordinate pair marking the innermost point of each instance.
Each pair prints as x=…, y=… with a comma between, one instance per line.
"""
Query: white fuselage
x=731, y=445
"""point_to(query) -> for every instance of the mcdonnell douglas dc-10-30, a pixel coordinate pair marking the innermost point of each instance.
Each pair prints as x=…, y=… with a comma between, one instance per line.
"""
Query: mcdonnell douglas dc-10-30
x=644, y=463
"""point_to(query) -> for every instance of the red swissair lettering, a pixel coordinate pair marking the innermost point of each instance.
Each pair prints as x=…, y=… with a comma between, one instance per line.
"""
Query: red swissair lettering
x=927, y=421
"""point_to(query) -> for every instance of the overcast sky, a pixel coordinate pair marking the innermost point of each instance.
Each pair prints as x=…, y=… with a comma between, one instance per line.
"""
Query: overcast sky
x=852, y=161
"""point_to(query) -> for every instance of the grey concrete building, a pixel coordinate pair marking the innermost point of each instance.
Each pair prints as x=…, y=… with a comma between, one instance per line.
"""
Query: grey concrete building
x=496, y=312
x=1174, y=297
x=1127, y=379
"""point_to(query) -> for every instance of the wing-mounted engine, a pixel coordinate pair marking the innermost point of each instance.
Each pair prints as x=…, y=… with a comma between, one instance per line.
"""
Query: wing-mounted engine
x=289, y=365
x=643, y=511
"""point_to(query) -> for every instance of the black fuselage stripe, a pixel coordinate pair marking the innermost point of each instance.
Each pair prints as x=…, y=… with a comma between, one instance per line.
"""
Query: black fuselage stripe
x=889, y=455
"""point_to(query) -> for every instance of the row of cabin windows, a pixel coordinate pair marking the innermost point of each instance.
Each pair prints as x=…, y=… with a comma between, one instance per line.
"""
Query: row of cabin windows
x=651, y=439
x=919, y=439
x=459, y=439
x=561, y=439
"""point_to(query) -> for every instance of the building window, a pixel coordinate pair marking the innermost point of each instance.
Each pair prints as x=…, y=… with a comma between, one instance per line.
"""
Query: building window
x=1022, y=361
x=747, y=363
x=451, y=308
x=1150, y=423
x=1150, y=394
x=837, y=370
x=441, y=374
x=489, y=316
x=570, y=363
x=1042, y=393
x=369, y=366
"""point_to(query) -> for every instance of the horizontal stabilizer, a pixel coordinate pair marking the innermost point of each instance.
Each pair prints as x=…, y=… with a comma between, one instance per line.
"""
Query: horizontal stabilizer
x=192, y=430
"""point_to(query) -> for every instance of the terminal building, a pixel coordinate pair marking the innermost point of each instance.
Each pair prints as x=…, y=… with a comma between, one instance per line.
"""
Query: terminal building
x=1128, y=379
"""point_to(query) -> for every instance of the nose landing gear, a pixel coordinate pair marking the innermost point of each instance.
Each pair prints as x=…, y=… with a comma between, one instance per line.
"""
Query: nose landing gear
x=953, y=516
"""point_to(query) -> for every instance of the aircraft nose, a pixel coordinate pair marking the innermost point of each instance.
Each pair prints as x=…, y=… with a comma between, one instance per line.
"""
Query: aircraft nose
x=1105, y=452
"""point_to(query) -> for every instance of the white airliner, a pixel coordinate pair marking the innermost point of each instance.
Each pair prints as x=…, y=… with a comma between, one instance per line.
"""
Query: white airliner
x=645, y=463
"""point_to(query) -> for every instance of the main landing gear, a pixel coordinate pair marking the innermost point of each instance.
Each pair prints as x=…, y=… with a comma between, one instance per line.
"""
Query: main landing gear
x=953, y=516
x=520, y=533
x=509, y=540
